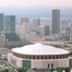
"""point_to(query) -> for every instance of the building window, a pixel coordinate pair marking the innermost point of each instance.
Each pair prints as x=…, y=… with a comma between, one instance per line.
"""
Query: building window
x=60, y=56
x=41, y=57
x=70, y=63
x=26, y=64
x=48, y=66
x=53, y=57
x=52, y=66
x=45, y=57
x=33, y=57
x=37, y=57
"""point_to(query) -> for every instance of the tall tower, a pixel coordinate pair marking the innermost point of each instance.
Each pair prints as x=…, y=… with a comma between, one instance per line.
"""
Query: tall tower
x=55, y=21
x=10, y=24
x=1, y=22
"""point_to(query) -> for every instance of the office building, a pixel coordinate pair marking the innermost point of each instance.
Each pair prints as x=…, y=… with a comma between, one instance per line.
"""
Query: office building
x=35, y=23
x=47, y=30
x=24, y=20
x=24, y=27
x=2, y=39
x=55, y=21
x=10, y=24
x=67, y=34
x=41, y=32
x=71, y=31
x=1, y=22
x=24, y=30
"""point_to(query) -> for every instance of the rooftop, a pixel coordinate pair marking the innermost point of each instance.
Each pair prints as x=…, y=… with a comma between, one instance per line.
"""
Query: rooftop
x=39, y=49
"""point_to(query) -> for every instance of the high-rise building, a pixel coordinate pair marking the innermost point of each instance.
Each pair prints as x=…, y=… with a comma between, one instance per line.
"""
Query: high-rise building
x=35, y=23
x=24, y=27
x=67, y=34
x=9, y=23
x=47, y=30
x=24, y=20
x=43, y=32
x=71, y=32
x=1, y=22
x=55, y=21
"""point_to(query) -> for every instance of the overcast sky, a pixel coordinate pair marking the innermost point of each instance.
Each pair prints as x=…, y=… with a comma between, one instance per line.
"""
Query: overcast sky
x=32, y=8
x=36, y=3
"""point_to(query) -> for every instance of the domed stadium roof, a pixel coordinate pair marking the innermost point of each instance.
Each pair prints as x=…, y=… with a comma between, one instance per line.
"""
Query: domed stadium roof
x=39, y=49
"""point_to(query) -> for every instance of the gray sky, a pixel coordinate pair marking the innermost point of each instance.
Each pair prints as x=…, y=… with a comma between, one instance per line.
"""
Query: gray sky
x=36, y=3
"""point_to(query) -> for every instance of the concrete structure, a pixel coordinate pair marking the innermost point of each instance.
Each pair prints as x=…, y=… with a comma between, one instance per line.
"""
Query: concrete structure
x=10, y=24
x=1, y=22
x=39, y=56
x=55, y=21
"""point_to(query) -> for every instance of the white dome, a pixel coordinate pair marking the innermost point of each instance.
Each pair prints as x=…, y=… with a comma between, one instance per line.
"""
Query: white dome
x=39, y=49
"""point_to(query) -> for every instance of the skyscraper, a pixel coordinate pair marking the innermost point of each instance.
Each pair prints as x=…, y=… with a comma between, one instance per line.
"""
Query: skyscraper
x=55, y=21
x=9, y=23
x=1, y=22
x=35, y=23
x=47, y=30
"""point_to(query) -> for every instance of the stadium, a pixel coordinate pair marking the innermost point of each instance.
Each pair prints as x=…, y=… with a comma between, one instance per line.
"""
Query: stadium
x=39, y=56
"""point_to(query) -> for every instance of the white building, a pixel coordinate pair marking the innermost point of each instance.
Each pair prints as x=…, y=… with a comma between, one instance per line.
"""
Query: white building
x=39, y=56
